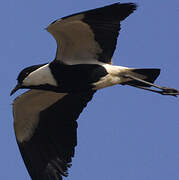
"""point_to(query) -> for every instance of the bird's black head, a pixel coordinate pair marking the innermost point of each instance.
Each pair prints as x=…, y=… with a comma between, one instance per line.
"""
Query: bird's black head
x=23, y=74
x=26, y=71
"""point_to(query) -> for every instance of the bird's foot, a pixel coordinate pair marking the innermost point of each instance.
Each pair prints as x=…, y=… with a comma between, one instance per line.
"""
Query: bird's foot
x=169, y=91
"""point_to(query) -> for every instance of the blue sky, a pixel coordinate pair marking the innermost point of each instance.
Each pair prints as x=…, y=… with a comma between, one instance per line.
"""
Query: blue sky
x=124, y=133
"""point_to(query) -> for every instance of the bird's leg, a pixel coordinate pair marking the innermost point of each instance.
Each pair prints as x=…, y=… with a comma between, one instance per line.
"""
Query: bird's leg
x=164, y=90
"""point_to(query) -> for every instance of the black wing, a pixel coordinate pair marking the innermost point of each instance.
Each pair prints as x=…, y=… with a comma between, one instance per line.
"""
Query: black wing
x=46, y=131
x=89, y=36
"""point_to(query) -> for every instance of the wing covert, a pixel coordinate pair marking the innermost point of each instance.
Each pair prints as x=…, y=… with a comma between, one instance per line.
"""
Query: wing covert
x=89, y=36
x=47, y=134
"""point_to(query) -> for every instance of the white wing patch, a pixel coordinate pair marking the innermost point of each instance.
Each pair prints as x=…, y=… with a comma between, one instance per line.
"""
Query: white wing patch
x=75, y=40
x=26, y=109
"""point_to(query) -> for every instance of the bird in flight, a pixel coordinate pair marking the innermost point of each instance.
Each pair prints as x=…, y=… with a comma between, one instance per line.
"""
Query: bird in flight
x=45, y=117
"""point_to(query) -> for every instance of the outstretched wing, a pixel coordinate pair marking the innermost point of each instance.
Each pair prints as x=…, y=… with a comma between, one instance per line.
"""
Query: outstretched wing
x=90, y=36
x=46, y=130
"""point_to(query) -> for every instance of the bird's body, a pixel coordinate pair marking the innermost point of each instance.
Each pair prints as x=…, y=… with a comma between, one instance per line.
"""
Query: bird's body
x=45, y=116
x=75, y=78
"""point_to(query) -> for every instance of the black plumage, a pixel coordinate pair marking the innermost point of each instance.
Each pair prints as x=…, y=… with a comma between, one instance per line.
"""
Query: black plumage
x=49, y=152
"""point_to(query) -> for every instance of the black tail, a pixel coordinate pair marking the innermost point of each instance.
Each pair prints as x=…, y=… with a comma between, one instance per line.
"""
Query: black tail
x=149, y=75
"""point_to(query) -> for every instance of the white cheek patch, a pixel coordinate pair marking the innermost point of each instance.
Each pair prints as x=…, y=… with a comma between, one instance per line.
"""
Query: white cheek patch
x=40, y=76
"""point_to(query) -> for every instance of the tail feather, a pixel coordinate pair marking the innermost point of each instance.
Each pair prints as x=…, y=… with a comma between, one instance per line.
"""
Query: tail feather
x=149, y=75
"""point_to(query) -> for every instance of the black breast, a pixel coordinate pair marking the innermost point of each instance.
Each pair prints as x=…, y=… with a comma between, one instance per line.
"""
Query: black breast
x=75, y=78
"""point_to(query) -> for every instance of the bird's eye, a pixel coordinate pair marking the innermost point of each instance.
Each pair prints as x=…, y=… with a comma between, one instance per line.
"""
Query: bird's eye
x=27, y=73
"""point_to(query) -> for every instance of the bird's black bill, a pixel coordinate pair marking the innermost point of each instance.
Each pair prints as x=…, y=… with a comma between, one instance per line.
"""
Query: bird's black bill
x=17, y=87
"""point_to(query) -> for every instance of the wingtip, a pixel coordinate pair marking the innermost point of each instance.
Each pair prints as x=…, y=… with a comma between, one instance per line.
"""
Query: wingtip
x=131, y=4
x=126, y=9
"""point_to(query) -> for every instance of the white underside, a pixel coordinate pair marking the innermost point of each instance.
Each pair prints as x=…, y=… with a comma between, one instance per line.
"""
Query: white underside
x=113, y=77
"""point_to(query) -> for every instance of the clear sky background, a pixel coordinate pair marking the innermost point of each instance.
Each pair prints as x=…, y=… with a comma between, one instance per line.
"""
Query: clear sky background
x=124, y=133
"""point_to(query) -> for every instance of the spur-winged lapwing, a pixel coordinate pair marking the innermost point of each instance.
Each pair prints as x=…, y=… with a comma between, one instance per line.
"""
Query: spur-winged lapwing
x=45, y=116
